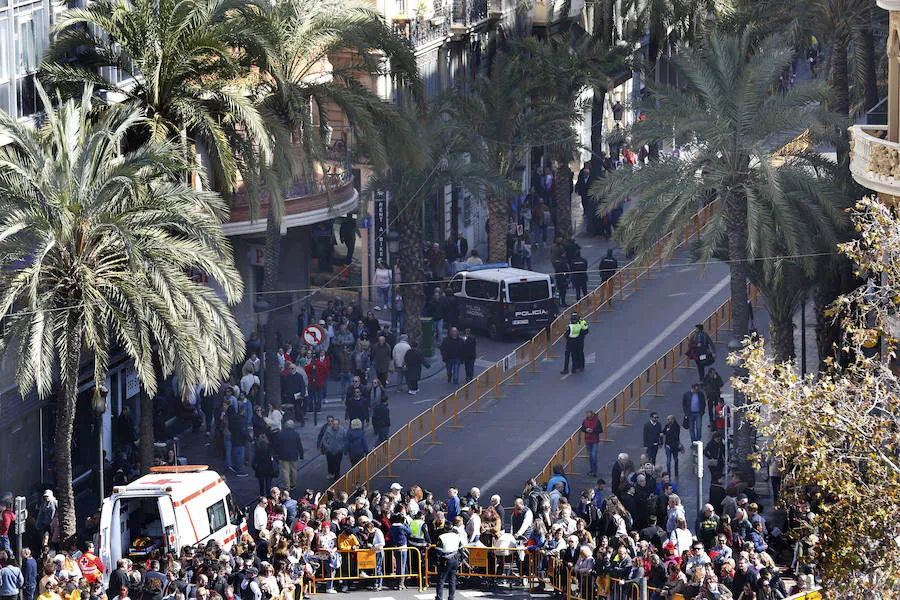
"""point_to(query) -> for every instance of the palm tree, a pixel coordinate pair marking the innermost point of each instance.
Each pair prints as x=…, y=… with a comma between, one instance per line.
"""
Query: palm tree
x=96, y=245
x=508, y=118
x=728, y=122
x=171, y=59
x=562, y=68
x=791, y=238
x=450, y=155
x=291, y=43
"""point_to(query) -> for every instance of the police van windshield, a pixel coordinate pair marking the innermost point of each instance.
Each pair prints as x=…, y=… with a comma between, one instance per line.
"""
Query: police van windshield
x=529, y=291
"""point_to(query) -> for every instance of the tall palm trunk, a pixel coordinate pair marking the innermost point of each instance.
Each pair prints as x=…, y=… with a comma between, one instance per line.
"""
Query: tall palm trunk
x=563, y=201
x=270, y=284
x=596, y=133
x=145, y=433
x=498, y=215
x=67, y=400
x=840, y=85
x=412, y=268
x=870, y=76
x=781, y=328
x=735, y=216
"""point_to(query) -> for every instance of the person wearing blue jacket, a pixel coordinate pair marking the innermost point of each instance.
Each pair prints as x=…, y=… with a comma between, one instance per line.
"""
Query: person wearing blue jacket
x=29, y=571
x=453, y=505
x=400, y=534
x=11, y=578
x=357, y=445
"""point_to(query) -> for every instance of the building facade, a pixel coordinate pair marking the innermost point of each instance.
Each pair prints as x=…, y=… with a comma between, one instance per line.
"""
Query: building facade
x=875, y=154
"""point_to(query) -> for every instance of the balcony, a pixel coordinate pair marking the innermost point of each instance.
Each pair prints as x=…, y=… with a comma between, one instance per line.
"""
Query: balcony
x=422, y=32
x=549, y=12
x=307, y=202
x=874, y=161
x=469, y=13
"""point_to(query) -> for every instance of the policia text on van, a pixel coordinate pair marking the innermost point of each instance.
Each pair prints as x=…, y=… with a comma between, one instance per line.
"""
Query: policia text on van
x=500, y=299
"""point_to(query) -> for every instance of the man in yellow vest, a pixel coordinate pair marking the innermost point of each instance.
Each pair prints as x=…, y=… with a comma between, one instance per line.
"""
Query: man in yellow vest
x=419, y=540
x=575, y=334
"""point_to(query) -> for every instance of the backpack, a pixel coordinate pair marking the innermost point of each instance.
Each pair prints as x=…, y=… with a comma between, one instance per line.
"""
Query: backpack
x=629, y=522
x=537, y=497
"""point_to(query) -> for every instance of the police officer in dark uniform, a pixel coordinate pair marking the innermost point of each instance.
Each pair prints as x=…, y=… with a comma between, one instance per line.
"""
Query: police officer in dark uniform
x=575, y=333
x=561, y=267
x=449, y=554
x=579, y=268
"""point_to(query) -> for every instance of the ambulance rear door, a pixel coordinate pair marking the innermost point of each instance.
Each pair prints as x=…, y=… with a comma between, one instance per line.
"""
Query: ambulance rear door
x=168, y=522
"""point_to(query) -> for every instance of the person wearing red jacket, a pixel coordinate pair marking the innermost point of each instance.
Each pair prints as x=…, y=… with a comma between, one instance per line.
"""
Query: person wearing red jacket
x=591, y=428
x=91, y=566
x=317, y=372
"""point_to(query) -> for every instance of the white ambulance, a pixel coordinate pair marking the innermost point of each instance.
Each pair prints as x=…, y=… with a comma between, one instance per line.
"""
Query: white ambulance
x=170, y=508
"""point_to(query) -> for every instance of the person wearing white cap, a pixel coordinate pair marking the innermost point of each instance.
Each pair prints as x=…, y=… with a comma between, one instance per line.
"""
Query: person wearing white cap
x=46, y=512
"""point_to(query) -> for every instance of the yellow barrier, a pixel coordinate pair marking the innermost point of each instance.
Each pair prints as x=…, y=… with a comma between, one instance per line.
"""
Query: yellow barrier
x=506, y=371
x=374, y=565
x=646, y=384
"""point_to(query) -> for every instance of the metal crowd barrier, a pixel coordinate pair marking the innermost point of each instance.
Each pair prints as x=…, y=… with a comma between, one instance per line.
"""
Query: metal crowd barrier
x=487, y=385
x=406, y=563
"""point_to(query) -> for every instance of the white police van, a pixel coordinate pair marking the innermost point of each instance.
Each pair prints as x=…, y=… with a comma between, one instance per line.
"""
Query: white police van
x=172, y=507
x=499, y=299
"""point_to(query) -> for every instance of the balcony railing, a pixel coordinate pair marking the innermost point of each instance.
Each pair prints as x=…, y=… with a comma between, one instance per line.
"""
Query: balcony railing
x=421, y=32
x=304, y=195
x=469, y=12
x=874, y=161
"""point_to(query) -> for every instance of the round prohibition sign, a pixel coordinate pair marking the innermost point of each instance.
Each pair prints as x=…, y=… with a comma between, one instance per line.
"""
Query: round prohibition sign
x=313, y=335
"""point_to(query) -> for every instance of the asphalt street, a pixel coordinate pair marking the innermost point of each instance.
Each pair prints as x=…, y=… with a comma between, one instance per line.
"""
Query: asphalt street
x=500, y=450
x=404, y=407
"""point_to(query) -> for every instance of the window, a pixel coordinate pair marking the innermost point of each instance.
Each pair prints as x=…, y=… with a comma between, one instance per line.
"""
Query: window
x=484, y=290
x=4, y=50
x=234, y=513
x=456, y=284
x=217, y=516
x=26, y=96
x=30, y=39
x=529, y=291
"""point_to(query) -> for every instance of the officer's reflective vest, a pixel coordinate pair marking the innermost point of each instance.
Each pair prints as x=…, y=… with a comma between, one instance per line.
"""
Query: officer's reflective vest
x=449, y=543
x=575, y=329
x=415, y=527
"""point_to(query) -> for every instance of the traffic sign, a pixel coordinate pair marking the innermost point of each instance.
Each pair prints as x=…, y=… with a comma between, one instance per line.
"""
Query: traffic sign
x=313, y=335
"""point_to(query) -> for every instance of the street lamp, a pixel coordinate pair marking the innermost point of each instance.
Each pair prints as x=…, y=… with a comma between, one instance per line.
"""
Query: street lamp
x=99, y=404
x=393, y=239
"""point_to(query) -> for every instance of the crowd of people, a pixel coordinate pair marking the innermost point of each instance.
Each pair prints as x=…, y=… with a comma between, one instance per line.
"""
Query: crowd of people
x=600, y=539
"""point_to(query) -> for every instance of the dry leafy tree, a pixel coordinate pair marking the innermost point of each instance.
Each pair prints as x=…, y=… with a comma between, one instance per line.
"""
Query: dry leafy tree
x=838, y=434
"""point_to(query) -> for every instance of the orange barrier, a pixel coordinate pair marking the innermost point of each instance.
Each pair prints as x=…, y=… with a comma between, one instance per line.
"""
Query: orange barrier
x=614, y=412
x=507, y=370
